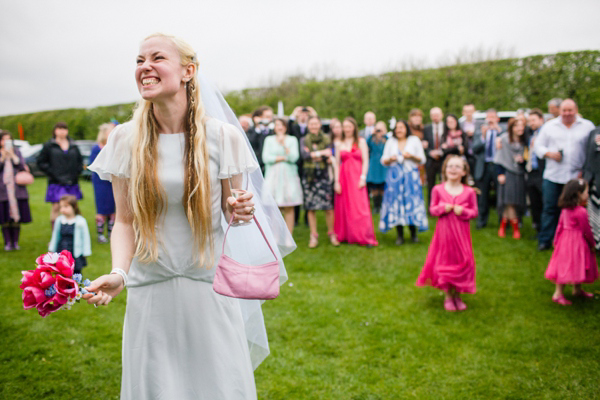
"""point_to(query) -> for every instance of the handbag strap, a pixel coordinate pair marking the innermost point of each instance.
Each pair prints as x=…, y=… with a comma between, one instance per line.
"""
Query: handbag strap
x=259, y=228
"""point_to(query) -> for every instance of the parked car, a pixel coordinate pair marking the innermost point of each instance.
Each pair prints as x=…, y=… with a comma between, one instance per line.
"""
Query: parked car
x=85, y=148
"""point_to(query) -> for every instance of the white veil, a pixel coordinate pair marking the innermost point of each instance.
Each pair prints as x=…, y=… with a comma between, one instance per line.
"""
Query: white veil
x=245, y=243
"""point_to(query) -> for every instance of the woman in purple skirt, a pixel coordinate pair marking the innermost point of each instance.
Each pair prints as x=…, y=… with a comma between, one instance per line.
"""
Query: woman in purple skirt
x=61, y=161
x=14, y=199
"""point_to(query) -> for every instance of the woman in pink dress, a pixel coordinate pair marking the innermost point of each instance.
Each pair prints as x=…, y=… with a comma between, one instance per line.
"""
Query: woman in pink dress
x=573, y=260
x=450, y=263
x=353, y=223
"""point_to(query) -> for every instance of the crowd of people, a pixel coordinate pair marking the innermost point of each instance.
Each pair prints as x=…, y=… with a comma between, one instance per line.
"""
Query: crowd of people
x=354, y=175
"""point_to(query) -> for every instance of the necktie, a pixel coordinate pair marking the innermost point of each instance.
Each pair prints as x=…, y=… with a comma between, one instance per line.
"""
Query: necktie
x=436, y=143
x=490, y=146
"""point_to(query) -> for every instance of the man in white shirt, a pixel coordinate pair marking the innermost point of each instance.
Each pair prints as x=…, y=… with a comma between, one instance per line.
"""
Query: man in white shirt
x=432, y=134
x=369, y=121
x=562, y=143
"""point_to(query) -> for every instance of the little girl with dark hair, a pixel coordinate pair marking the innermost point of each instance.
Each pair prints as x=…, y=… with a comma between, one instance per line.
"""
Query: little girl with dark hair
x=71, y=232
x=573, y=260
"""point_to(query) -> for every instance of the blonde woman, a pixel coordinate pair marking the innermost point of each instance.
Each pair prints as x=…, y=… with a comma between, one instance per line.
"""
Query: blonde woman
x=103, y=193
x=169, y=167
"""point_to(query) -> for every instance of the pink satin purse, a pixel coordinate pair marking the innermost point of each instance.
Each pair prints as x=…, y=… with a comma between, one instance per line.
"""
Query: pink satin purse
x=241, y=281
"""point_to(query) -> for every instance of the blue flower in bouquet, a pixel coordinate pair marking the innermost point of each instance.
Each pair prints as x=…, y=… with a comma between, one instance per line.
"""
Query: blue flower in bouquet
x=51, y=291
x=77, y=278
x=87, y=282
x=84, y=291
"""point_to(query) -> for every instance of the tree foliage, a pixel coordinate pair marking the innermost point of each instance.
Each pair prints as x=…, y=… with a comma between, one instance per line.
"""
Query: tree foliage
x=506, y=84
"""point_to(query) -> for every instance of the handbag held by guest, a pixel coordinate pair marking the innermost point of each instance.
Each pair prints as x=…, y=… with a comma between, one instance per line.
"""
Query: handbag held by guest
x=234, y=279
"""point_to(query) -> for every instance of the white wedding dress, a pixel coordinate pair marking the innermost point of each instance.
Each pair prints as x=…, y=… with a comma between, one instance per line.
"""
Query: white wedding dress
x=181, y=340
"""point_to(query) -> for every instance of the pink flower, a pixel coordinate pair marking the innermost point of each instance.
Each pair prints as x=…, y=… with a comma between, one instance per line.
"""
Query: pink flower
x=40, y=277
x=51, y=305
x=33, y=297
x=62, y=263
x=66, y=287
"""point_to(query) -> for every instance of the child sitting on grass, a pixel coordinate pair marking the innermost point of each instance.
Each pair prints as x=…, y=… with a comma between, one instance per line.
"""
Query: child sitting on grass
x=573, y=260
x=71, y=232
x=450, y=263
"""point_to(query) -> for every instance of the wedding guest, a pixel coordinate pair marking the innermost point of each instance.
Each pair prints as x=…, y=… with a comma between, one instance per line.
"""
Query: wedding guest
x=432, y=133
x=315, y=149
x=245, y=122
x=377, y=171
x=14, y=198
x=280, y=153
x=297, y=124
x=103, y=193
x=534, y=168
x=298, y=127
x=573, y=260
x=469, y=125
x=262, y=117
x=353, y=223
x=71, y=233
x=415, y=123
x=484, y=150
x=61, y=161
x=403, y=203
x=182, y=340
x=591, y=173
x=554, y=107
x=562, y=142
x=369, y=120
x=510, y=163
x=454, y=141
x=335, y=127
x=450, y=263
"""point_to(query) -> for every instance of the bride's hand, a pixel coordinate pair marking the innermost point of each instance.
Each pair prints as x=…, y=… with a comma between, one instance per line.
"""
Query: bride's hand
x=242, y=207
x=106, y=288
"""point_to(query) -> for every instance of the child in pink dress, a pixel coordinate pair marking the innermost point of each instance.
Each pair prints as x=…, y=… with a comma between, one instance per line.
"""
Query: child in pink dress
x=573, y=260
x=450, y=263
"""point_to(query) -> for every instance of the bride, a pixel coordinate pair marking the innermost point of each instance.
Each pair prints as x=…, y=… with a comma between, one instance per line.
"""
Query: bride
x=169, y=167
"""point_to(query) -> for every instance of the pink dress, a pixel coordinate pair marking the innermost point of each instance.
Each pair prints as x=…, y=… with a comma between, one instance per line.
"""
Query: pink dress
x=353, y=222
x=450, y=261
x=573, y=260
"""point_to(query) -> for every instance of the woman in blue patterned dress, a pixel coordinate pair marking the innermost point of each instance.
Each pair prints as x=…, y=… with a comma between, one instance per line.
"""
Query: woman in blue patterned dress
x=403, y=196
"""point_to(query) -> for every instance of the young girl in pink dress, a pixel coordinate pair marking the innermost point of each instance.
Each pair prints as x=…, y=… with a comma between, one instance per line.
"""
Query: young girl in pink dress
x=450, y=263
x=573, y=260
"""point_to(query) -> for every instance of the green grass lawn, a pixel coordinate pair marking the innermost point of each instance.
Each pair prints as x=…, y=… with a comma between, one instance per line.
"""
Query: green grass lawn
x=349, y=324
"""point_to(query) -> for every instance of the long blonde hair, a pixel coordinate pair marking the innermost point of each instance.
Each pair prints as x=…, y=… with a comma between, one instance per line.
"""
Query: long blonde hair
x=103, y=131
x=146, y=194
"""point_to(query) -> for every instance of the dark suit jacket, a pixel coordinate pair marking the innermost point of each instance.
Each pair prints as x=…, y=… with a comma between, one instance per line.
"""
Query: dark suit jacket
x=294, y=129
x=256, y=140
x=428, y=136
x=591, y=168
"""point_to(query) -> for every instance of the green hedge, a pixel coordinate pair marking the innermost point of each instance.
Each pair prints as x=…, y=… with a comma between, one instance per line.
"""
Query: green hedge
x=503, y=84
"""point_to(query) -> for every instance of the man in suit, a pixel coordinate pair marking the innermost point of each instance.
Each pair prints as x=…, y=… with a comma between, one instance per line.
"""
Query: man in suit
x=484, y=150
x=369, y=120
x=534, y=168
x=297, y=124
x=469, y=126
x=262, y=117
x=432, y=142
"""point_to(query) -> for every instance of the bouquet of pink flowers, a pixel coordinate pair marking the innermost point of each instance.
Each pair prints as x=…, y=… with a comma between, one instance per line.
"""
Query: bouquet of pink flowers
x=52, y=285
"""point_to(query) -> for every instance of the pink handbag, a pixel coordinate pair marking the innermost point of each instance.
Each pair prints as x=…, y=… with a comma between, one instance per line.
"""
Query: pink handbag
x=23, y=178
x=234, y=279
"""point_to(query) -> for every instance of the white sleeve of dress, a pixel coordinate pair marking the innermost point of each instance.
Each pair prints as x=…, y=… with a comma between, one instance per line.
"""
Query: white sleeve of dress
x=417, y=149
x=115, y=158
x=235, y=152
